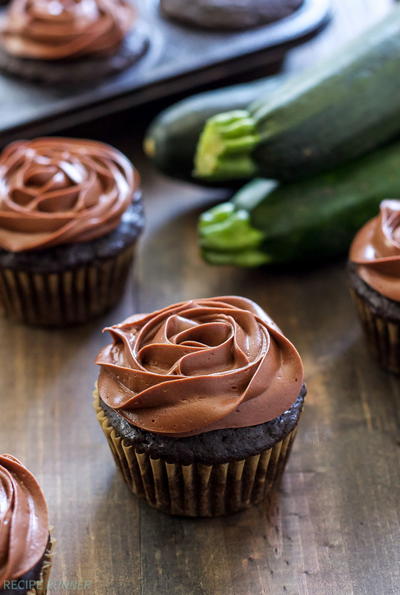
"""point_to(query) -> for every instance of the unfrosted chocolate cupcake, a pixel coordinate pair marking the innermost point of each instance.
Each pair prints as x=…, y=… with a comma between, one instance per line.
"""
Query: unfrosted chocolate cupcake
x=228, y=14
x=374, y=273
x=69, y=41
x=70, y=215
x=25, y=542
x=199, y=403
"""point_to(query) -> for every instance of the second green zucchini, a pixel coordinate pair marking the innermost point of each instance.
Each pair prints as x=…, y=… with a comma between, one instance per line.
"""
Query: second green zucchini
x=305, y=222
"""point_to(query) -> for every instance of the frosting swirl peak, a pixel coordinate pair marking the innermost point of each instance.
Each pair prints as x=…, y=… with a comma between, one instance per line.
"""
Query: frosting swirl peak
x=198, y=366
x=24, y=527
x=57, y=190
x=62, y=29
x=376, y=251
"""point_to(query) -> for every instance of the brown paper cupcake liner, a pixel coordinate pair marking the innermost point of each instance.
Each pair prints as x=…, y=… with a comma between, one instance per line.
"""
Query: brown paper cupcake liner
x=197, y=490
x=40, y=587
x=70, y=297
x=383, y=335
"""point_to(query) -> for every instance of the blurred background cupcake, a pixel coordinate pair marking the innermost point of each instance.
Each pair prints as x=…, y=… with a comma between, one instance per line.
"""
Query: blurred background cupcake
x=374, y=272
x=228, y=14
x=70, y=215
x=199, y=403
x=69, y=41
x=25, y=544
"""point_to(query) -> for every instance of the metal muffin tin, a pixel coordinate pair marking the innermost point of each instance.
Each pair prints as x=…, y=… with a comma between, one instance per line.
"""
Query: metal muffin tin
x=179, y=59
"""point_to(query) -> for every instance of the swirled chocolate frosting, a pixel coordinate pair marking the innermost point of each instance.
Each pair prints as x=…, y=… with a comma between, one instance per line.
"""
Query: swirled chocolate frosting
x=199, y=365
x=376, y=251
x=60, y=190
x=24, y=527
x=59, y=29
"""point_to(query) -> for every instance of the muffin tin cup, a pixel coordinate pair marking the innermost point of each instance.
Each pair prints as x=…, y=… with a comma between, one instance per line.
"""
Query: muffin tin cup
x=69, y=297
x=383, y=335
x=197, y=490
x=40, y=587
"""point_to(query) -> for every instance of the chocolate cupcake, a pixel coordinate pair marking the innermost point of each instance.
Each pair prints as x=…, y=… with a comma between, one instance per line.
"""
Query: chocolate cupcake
x=25, y=542
x=69, y=41
x=374, y=274
x=70, y=215
x=199, y=403
x=228, y=14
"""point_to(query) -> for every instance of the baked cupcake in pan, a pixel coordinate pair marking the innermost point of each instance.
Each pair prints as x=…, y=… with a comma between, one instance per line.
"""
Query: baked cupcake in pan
x=200, y=402
x=374, y=274
x=25, y=544
x=69, y=41
x=70, y=215
x=228, y=14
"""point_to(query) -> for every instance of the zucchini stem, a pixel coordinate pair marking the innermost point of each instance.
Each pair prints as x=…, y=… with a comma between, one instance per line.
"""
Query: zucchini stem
x=226, y=236
x=225, y=146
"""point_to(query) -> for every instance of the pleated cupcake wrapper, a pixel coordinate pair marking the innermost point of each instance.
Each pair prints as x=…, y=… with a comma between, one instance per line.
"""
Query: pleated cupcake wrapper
x=69, y=297
x=40, y=587
x=383, y=335
x=197, y=490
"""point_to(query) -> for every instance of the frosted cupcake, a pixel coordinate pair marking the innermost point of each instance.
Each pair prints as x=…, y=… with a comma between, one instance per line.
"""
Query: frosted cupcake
x=70, y=215
x=25, y=543
x=229, y=14
x=199, y=402
x=69, y=41
x=374, y=273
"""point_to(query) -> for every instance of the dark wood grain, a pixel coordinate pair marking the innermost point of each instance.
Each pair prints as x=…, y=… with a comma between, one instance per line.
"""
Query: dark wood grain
x=334, y=527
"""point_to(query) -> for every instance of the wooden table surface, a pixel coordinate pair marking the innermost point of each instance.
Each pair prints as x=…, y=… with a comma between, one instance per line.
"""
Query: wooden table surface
x=334, y=527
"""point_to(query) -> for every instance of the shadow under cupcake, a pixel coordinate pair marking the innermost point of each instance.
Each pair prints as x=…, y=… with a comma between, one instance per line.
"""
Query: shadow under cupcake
x=199, y=403
x=70, y=215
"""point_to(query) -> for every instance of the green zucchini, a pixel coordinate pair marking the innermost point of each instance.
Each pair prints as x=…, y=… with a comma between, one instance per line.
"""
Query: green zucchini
x=338, y=111
x=307, y=221
x=172, y=137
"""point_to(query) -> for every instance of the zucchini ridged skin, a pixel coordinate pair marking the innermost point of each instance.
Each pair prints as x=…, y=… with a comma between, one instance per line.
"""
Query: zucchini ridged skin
x=307, y=222
x=172, y=137
x=341, y=109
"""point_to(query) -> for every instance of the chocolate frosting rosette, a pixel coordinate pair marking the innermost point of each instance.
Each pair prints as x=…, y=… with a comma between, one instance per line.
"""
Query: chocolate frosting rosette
x=25, y=543
x=66, y=28
x=376, y=251
x=375, y=281
x=41, y=38
x=67, y=206
x=57, y=191
x=200, y=384
x=198, y=366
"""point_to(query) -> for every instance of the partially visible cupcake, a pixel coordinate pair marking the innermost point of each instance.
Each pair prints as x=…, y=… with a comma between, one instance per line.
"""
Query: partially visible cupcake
x=199, y=402
x=374, y=272
x=70, y=215
x=69, y=41
x=229, y=14
x=25, y=541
